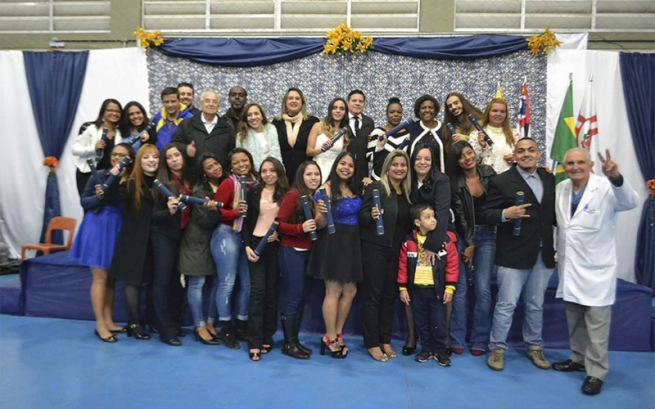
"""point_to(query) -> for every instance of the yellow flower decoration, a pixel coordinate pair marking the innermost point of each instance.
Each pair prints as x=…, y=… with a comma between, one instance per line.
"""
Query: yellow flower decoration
x=344, y=39
x=543, y=43
x=148, y=39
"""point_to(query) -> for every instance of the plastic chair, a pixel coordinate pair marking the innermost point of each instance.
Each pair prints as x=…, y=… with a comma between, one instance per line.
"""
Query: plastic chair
x=56, y=223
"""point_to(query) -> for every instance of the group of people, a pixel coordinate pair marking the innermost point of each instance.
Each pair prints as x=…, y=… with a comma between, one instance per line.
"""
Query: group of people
x=421, y=215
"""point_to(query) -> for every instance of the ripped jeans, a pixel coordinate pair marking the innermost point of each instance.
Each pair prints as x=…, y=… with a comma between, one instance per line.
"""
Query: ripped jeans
x=229, y=255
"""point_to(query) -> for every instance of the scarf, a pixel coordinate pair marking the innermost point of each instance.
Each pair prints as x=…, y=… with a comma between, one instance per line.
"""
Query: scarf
x=237, y=224
x=292, y=131
x=433, y=132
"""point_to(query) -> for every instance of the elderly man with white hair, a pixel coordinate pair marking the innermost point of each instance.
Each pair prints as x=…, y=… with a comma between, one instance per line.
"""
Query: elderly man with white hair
x=586, y=209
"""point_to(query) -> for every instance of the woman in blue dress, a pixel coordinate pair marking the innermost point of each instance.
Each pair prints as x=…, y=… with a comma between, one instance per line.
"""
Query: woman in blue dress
x=337, y=257
x=95, y=242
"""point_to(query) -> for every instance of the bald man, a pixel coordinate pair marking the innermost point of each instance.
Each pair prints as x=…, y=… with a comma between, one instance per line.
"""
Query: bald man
x=206, y=132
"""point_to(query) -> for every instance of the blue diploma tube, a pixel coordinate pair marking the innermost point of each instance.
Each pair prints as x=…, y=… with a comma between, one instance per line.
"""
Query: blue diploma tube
x=134, y=139
x=402, y=125
x=328, y=215
x=341, y=133
x=168, y=194
x=304, y=200
x=477, y=126
x=242, y=181
x=94, y=171
x=198, y=201
x=520, y=198
x=379, y=223
x=262, y=244
x=451, y=129
x=101, y=152
x=113, y=178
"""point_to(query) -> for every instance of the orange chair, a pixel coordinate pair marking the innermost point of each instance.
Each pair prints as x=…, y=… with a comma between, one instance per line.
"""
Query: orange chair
x=56, y=223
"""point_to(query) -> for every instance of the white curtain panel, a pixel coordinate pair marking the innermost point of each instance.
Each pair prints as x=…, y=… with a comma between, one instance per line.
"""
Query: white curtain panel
x=117, y=73
x=613, y=128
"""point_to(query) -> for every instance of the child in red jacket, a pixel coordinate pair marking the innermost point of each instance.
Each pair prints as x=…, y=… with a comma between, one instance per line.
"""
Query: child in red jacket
x=430, y=281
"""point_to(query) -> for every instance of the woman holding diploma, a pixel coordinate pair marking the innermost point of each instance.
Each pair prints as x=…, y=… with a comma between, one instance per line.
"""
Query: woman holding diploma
x=90, y=141
x=293, y=256
x=263, y=207
x=168, y=224
x=196, y=261
x=380, y=252
x=495, y=121
x=95, y=242
x=228, y=249
x=134, y=122
x=337, y=258
x=323, y=135
x=378, y=150
x=133, y=257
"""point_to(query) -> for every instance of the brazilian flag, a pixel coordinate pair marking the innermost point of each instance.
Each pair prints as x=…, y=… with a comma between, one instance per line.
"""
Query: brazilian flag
x=564, y=134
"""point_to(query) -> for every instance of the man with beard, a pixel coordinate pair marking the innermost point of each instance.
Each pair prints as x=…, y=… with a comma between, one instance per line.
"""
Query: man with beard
x=187, y=96
x=238, y=98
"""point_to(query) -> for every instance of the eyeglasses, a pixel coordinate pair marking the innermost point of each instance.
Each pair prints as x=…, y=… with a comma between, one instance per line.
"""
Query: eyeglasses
x=118, y=155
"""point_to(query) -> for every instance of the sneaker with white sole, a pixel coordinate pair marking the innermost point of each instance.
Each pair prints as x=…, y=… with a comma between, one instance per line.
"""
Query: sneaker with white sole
x=422, y=356
x=442, y=358
x=496, y=360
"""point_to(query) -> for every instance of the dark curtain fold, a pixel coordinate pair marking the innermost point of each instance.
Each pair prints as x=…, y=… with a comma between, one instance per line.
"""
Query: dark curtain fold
x=638, y=75
x=55, y=82
x=251, y=52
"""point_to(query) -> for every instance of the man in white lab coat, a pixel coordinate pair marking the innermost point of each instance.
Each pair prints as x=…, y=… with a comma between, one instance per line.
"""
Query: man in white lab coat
x=586, y=211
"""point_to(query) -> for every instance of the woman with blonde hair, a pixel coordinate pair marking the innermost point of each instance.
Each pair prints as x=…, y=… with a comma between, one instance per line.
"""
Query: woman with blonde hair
x=495, y=121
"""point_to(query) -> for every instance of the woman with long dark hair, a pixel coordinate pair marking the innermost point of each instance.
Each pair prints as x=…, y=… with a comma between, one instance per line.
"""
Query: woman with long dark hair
x=134, y=123
x=168, y=224
x=293, y=125
x=95, y=242
x=196, y=261
x=295, y=247
x=477, y=246
x=323, y=133
x=256, y=135
x=263, y=207
x=90, y=141
x=380, y=252
x=228, y=249
x=337, y=258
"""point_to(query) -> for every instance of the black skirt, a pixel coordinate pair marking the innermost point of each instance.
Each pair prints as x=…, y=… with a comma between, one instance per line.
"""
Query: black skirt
x=337, y=257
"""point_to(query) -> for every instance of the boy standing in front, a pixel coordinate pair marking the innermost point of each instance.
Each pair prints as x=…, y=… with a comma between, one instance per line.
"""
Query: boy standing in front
x=429, y=282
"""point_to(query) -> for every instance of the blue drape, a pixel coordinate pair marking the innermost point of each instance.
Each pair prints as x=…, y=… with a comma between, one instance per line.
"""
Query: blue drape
x=55, y=82
x=251, y=52
x=638, y=75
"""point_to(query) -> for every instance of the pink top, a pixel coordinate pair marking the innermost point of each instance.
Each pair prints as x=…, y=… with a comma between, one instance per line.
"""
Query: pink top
x=268, y=210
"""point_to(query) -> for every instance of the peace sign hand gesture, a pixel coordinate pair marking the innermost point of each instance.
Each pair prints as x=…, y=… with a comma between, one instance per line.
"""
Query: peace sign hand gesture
x=610, y=168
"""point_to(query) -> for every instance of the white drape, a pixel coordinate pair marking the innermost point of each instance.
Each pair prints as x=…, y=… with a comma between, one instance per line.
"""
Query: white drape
x=613, y=128
x=117, y=73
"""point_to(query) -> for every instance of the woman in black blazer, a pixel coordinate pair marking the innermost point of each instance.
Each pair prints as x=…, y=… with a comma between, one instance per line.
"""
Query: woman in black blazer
x=380, y=252
x=293, y=126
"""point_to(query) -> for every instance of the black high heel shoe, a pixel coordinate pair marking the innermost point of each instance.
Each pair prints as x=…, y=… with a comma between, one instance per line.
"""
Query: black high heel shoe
x=121, y=330
x=204, y=341
x=109, y=339
x=407, y=351
x=326, y=343
x=174, y=342
x=137, y=331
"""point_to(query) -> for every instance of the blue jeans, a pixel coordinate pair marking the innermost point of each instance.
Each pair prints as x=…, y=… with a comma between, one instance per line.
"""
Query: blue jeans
x=483, y=263
x=231, y=261
x=194, y=297
x=511, y=283
x=293, y=278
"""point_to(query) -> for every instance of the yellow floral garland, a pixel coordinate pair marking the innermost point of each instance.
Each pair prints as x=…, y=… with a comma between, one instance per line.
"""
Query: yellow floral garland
x=148, y=39
x=344, y=39
x=543, y=42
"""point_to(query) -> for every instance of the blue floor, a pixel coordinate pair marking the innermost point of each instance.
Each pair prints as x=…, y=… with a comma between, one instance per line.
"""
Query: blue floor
x=55, y=363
